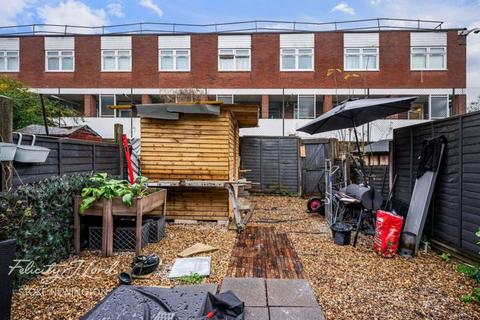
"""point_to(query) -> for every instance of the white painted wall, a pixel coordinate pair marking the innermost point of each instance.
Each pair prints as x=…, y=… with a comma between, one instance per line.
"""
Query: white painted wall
x=104, y=126
x=379, y=130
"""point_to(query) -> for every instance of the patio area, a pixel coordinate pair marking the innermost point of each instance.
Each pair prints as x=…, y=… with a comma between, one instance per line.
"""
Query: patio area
x=348, y=282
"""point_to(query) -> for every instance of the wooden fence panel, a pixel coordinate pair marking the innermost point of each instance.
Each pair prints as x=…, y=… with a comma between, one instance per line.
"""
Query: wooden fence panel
x=454, y=216
x=67, y=156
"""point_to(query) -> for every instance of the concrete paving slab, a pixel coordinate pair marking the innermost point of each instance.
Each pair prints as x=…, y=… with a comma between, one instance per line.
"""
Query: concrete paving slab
x=290, y=293
x=187, y=266
x=250, y=290
x=295, y=313
x=212, y=288
x=256, y=313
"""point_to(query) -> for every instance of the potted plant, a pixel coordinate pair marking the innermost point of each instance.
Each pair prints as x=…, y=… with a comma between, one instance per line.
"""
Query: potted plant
x=7, y=254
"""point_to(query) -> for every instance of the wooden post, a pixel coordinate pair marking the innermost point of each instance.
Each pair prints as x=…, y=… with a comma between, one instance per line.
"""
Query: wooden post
x=76, y=223
x=107, y=228
x=6, y=128
x=118, y=130
x=138, y=228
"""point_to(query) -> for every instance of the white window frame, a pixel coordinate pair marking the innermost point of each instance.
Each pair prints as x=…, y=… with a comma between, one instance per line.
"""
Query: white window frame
x=225, y=95
x=5, y=52
x=117, y=113
x=361, y=54
x=446, y=96
x=60, y=63
x=235, y=60
x=428, y=54
x=297, y=55
x=116, y=55
x=296, y=112
x=100, y=106
x=174, y=55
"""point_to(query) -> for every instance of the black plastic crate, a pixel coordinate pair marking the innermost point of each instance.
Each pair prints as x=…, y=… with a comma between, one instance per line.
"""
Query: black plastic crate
x=157, y=229
x=123, y=236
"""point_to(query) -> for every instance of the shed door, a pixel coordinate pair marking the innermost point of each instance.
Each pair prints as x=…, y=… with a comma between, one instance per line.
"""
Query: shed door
x=313, y=167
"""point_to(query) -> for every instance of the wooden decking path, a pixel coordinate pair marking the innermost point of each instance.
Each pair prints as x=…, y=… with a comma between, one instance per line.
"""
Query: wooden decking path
x=262, y=252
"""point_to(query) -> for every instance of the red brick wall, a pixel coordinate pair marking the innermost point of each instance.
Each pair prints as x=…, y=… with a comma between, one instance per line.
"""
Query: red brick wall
x=394, y=65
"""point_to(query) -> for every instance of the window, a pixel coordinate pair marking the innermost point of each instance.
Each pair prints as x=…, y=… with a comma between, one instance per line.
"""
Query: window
x=305, y=107
x=296, y=59
x=361, y=59
x=105, y=100
x=234, y=59
x=439, y=107
x=9, y=61
x=59, y=60
x=174, y=60
x=116, y=60
x=428, y=58
x=227, y=99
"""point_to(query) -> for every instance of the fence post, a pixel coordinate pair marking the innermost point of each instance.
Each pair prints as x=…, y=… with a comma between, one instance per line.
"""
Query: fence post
x=60, y=156
x=6, y=128
x=118, y=131
x=460, y=179
x=94, y=158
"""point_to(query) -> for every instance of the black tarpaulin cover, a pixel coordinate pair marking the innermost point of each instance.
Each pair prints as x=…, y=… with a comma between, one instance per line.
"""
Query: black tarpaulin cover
x=225, y=306
x=430, y=156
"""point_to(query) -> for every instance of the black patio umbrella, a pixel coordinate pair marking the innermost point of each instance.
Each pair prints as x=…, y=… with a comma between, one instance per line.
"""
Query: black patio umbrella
x=353, y=113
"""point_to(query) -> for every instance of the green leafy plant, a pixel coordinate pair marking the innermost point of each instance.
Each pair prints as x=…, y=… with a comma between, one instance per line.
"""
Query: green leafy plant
x=108, y=188
x=469, y=271
x=193, y=278
x=40, y=217
x=471, y=297
x=445, y=256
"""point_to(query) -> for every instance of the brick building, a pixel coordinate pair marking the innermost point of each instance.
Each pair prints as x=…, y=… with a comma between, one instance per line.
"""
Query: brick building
x=291, y=75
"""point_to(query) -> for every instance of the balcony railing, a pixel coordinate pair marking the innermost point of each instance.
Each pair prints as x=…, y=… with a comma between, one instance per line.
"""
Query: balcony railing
x=252, y=26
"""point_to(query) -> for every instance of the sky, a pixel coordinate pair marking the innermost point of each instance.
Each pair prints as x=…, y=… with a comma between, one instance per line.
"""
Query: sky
x=455, y=13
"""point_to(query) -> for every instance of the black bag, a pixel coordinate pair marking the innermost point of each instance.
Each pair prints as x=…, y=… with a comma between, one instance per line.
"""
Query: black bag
x=224, y=306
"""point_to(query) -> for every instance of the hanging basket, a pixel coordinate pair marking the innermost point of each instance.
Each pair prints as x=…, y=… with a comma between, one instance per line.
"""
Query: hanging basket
x=31, y=153
x=7, y=151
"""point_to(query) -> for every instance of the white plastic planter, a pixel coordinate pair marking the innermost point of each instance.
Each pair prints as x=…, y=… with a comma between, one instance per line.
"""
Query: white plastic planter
x=31, y=153
x=7, y=151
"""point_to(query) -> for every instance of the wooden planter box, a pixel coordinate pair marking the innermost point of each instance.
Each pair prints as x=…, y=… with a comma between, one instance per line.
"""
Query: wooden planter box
x=152, y=204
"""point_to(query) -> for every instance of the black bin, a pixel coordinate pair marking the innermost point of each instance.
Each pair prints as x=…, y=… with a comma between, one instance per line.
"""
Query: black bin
x=341, y=233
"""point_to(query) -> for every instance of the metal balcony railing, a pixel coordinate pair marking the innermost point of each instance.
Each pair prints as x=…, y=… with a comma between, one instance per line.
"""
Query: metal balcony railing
x=252, y=26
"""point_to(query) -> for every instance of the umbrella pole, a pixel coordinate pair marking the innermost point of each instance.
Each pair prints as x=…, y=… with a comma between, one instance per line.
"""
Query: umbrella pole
x=358, y=148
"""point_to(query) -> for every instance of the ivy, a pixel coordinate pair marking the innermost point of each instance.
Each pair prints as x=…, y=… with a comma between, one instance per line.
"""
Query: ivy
x=40, y=217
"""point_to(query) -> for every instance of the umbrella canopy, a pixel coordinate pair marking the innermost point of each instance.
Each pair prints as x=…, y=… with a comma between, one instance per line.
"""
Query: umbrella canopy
x=357, y=112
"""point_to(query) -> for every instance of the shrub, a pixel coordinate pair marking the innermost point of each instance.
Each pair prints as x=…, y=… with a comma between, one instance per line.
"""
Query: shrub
x=40, y=217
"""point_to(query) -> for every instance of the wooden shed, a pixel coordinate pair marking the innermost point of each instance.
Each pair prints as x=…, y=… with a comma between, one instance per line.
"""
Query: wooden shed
x=193, y=150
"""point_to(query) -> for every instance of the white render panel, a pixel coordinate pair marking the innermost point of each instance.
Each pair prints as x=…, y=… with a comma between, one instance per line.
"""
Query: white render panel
x=12, y=44
x=254, y=91
x=59, y=43
x=361, y=40
x=235, y=42
x=297, y=40
x=428, y=39
x=116, y=43
x=174, y=42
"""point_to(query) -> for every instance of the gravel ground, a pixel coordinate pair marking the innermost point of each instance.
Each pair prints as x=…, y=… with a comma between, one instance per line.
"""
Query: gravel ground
x=356, y=283
x=350, y=283
x=77, y=290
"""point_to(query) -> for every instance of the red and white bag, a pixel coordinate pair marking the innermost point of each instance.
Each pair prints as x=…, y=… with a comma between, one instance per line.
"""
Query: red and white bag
x=388, y=228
